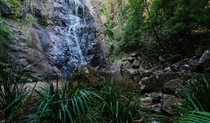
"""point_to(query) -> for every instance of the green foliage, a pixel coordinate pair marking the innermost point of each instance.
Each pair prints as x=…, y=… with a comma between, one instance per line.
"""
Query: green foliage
x=199, y=97
x=4, y=33
x=69, y=103
x=197, y=107
x=117, y=105
x=111, y=103
x=15, y=5
x=12, y=92
x=123, y=29
x=178, y=15
x=141, y=21
x=29, y=19
x=30, y=4
x=66, y=105
x=196, y=117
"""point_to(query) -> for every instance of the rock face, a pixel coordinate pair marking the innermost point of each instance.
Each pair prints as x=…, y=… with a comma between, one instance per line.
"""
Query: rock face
x=94, y=7
x=63, y=38
x=29, y=55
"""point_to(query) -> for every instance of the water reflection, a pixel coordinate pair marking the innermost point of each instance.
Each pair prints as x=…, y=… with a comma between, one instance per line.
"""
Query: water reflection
x=118, y=77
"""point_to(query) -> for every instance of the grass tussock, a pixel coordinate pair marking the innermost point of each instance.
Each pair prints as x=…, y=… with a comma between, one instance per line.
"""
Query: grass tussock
x=72, y=102
x=111, y=102
x=197, y=106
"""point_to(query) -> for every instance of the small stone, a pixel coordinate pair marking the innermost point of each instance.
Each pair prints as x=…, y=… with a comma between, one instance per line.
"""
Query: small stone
x=168, y=69
x=131, y=59
x=155, y=108
x=133, y=71
x=146, y=101
x=184, y=68
x=134, y=55
x=144, y=73
x=156, y=99
x=124, y=59
x=29, y=80
x=193, y=64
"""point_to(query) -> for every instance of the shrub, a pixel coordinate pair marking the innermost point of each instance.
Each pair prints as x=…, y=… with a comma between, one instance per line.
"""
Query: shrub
x=196, y=117
x=167, y=23
x=12, y=93
x=29, y=19
x=15, y=6
x=197, y=106
x=4, y=33
x=66, y=105
x=198, y=98
x=116, y=105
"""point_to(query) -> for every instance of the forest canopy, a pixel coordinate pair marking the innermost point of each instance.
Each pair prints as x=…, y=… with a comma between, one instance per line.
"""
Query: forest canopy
x=153, y=21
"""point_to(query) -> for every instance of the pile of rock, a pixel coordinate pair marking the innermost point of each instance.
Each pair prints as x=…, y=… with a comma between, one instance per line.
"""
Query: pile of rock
x=161, y=87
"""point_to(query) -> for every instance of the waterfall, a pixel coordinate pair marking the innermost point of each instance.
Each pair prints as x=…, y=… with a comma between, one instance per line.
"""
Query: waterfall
x=72, y=33
x=71, y=40
x=79, y=36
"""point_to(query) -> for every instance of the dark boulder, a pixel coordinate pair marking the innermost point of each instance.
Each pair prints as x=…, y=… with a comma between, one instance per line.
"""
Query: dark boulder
x=155, y=82
x=172, y=86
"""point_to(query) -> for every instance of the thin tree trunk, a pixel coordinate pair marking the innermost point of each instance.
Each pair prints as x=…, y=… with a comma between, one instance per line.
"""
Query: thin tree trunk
x=155, y=32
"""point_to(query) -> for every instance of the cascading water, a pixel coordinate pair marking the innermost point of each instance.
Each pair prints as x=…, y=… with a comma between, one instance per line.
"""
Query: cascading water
x=73, y=37
x=71, y=41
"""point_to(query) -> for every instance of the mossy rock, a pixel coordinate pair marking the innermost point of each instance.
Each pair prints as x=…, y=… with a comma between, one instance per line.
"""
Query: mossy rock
x=86, y=74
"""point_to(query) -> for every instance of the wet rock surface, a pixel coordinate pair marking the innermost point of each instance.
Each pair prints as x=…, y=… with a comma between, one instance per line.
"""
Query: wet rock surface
x=29, y=55
x=63, y=38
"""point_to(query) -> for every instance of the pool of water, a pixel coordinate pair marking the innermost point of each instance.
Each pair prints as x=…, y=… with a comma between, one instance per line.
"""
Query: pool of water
x=117, y=77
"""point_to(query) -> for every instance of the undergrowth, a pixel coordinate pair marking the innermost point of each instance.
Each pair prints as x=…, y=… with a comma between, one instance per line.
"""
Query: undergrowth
x=111, y=102
x=197, y=107
x=71, y=102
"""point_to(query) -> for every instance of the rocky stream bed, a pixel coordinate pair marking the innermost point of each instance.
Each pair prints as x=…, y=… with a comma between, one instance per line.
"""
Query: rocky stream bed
x=159, y=88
